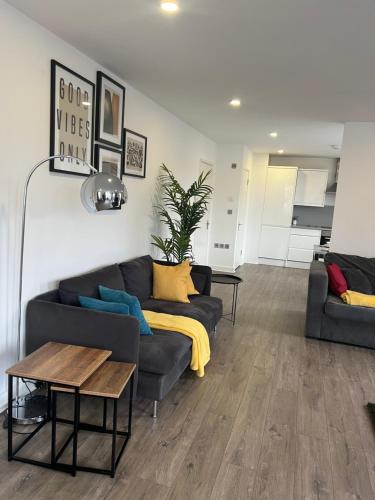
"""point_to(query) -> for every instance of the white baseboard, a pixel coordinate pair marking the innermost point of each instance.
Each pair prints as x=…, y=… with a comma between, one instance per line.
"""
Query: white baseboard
x=225, y=269
x=272, y=262
x=298, y=265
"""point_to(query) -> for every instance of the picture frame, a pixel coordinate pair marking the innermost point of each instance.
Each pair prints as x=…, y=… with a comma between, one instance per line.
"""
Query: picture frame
x=110, y=106
x=72, y=102
x=135, y=154
x=108, y=160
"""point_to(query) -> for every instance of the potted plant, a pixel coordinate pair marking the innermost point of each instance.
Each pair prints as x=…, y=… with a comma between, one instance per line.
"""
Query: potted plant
x=181, y=210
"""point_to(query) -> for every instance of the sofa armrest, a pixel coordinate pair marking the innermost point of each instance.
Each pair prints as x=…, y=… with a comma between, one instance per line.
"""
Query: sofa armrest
x=207, y=271
x=316, y=298
x=51, y=321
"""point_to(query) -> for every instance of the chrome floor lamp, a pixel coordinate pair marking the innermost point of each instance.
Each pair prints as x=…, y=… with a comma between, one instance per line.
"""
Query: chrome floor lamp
x=99, y=192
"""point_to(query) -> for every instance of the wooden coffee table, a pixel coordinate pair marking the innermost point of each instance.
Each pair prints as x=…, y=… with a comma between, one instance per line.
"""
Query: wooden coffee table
x=54, y=363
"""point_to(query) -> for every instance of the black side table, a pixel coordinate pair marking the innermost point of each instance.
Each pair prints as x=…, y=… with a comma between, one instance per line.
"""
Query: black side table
x=229, y=279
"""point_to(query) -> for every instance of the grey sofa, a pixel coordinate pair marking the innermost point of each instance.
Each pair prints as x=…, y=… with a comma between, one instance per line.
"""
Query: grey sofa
x=161, y=358
x=327, y=316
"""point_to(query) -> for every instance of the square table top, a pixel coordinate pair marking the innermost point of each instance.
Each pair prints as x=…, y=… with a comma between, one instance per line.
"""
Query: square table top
x=60, y=363
x=108, y=381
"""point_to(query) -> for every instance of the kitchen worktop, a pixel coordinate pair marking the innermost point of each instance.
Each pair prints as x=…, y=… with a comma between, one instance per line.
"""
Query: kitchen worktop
x=321, y=228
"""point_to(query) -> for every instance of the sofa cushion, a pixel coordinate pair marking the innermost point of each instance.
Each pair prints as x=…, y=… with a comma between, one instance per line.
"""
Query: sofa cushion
x=357, y=281
x=205, y=309
x=365, y=264
x=336, y=280
x=160, y=352
x=137, y=275
x=199, y=280
x=87, y=284
x=336, y=308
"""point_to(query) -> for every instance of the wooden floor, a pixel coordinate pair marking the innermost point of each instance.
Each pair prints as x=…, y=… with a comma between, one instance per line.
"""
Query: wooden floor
x=276, y=417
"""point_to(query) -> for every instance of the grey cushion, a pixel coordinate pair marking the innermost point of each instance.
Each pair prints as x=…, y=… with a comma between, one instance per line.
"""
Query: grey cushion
x=137, y=275
x=357, y=281
x=205, y=309
x=87, y=284
x=336, y=308
x=160, y=352
x=199, y=281
x=366, y=265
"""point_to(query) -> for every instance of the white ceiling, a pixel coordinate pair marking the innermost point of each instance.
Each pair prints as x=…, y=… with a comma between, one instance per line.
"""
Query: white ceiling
x=301, y=67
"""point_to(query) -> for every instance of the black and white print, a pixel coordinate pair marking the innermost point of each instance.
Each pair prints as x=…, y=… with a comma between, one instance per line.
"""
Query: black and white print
x=135, y=154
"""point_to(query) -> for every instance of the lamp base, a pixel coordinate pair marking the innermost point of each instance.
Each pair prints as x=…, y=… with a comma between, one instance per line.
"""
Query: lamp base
x=30, y=410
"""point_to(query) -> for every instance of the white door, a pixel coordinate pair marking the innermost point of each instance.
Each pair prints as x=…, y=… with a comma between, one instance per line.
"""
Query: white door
x=279, y=196
x=274, y=242
x=201, y=245
x=241, y=220
x=311, y=187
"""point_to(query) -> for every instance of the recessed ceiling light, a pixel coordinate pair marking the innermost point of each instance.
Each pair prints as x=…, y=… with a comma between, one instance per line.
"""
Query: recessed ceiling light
x=235, y=103
x=169, y=6
x=280, y=151
x=273, y=134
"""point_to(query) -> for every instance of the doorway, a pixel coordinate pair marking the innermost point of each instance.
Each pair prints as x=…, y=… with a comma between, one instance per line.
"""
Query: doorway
x=202, y=235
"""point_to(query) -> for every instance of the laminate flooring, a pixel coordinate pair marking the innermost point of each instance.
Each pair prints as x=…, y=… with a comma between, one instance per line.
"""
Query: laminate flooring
x=276, y=417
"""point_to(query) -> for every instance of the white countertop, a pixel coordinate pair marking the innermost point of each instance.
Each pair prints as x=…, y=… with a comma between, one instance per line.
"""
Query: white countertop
x=321, y=228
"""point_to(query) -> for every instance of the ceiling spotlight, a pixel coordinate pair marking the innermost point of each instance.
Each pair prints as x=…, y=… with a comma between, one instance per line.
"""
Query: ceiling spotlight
x=273, y=134
x=280, y=151
x=236, y=103
x=169, y=6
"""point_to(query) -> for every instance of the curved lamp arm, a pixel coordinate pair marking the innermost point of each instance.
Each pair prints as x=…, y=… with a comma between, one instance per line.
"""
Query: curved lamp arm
x=24, y=206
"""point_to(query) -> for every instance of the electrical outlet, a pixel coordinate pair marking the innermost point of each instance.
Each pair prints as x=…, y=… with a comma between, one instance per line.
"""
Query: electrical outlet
x=216, y=245
x=226, y=246
x=221, y=245
x=230, y=211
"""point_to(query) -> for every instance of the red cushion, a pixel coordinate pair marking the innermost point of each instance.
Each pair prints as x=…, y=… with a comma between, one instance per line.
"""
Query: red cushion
x=336, y=280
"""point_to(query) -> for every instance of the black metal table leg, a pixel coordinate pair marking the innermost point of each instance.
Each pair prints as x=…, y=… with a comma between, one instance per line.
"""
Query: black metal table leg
x=114, y=437
x=130, y=405
x=53, y=431
x=235, y=295
x=75, y=431
x=49, y=401
x=104, y=413
x=10, y=417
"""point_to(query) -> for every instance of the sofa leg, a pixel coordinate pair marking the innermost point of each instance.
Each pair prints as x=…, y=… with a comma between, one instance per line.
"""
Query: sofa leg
x=155, y=409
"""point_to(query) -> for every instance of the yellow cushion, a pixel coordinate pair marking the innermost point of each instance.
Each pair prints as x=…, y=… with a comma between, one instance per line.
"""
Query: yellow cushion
x=191, y=290
x=170, y=283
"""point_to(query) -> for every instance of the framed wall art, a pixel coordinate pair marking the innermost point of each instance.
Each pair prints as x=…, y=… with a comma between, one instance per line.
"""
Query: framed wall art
x=135, y=154
x=108, y=160
x=72, y=119
x=110, y=101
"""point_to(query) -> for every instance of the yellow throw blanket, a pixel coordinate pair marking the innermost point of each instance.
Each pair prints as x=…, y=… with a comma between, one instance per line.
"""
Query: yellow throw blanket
x=200, y=352
x=358, y=299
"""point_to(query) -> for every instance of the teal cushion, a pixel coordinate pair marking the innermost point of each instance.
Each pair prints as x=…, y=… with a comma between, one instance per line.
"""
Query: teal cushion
x=101, y=305
x=121, y=297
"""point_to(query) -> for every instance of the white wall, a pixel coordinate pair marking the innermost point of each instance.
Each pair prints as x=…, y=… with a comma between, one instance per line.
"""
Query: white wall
x=227, y=193
x=255, y=205
x=354, y=217
x=62, y=238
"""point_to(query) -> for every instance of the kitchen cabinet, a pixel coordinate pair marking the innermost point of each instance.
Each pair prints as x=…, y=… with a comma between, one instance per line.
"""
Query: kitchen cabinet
x=274, y=242
x=311, y=187
x=301, y=245
x=279, y=196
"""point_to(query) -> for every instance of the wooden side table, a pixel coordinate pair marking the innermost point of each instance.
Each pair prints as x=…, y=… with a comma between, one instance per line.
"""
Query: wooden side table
x=108, y=382
x=55, y=363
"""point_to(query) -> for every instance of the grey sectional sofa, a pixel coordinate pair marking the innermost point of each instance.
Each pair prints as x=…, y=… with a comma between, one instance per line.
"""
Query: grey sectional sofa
x=327, y=316
x=161, y=358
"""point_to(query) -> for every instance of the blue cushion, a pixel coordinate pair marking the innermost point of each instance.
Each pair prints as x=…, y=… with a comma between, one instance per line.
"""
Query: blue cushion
x=101, y=305
x=121, y=297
